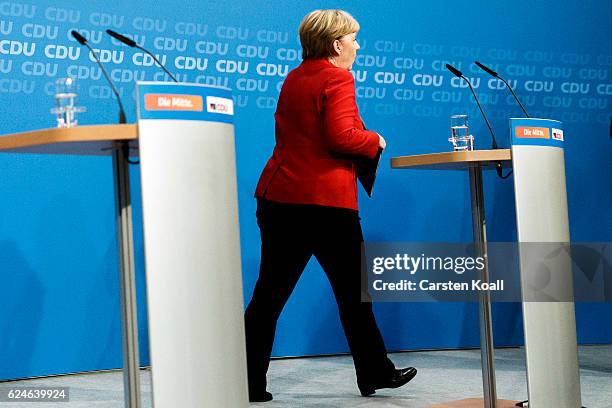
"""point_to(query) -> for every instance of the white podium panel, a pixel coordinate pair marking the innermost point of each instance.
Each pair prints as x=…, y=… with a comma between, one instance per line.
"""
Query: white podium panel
x=541, y=215
x=192, y=246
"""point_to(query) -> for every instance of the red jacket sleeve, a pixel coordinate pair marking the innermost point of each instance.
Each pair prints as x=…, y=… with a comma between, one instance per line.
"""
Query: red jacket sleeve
x=340, y=118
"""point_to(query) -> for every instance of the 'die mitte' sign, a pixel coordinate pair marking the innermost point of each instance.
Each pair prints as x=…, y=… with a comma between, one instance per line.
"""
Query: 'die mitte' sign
x=173, y=102
x=532, y=132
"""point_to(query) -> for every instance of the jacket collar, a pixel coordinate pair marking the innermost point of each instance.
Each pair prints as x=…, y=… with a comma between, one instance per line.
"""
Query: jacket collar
x=318, y=63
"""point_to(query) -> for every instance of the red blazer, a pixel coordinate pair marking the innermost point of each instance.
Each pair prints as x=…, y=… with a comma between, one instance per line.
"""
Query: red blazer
x=317, y=126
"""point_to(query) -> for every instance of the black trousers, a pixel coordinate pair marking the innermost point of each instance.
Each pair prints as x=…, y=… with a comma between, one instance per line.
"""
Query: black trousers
x=290, y=235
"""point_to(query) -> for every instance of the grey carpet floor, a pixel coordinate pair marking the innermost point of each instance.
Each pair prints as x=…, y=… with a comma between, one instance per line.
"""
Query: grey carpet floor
x=330, y=381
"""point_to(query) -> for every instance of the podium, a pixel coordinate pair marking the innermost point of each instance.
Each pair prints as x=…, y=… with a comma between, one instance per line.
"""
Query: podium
x=192, y=246
x=185, y=142
x=537, y=159
x=474, y=162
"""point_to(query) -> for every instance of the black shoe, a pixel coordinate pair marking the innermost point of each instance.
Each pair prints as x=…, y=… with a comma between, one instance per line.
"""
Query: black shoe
x=399, y=378
x=260, y=396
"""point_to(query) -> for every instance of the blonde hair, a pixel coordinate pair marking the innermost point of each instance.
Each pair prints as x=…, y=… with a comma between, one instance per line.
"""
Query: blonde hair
x=320, y=28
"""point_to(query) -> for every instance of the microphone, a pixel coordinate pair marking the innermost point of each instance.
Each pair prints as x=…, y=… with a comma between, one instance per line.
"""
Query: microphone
x=122, y=38
x=487, y=69
x=454, y=70
x=459, y=74
x=496, y=75
x=131, y=43
x=83, y=41
x=79, y=37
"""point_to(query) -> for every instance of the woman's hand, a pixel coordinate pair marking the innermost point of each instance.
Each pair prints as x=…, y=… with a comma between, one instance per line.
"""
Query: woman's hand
x=381, y=142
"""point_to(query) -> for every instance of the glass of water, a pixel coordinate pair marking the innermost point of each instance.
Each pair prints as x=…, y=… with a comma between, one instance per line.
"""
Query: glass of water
x=65, y=98
x=460, y=137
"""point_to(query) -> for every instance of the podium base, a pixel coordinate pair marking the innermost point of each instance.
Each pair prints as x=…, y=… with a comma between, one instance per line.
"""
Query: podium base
x=473, y=403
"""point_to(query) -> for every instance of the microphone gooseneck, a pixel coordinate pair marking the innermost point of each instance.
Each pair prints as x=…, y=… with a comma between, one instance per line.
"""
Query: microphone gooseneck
x=84, y=42
x=131, y=43
x=496, y=75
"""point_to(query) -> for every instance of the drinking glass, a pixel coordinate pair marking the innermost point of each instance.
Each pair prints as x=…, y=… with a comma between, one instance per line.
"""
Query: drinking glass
x=65, y=108
x=460, y=137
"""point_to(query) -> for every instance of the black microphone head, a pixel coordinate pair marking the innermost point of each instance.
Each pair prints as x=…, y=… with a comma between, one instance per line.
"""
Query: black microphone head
x=486, y=69
x=78, y=37
x=122, y=38
x=454, y=70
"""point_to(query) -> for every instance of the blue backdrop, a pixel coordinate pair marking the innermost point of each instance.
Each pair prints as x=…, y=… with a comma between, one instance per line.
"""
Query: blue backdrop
x=58, y=257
